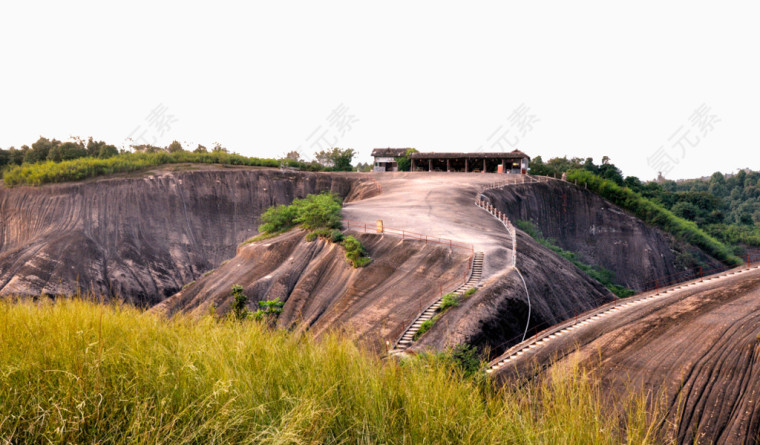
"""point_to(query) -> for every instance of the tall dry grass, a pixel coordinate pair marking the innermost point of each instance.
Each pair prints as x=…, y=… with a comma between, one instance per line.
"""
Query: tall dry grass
x=79, y=372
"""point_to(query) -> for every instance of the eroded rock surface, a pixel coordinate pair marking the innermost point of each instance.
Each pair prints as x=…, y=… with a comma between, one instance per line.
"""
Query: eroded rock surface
x=600, y=232
x=495, y=317
x=694, y=351
x=322, y=291
x=141, y=237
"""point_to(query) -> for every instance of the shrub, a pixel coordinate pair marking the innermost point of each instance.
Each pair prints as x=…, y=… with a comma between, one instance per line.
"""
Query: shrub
x=336, y=236
x=470, y=291
x=318, y=211
x=362, y=262
x=239, y=303
x=315, y=212
x=449, y=300
x=355, y=252
x=466, y=357
x=278, y=219
x=270, y=309
x=424, y=327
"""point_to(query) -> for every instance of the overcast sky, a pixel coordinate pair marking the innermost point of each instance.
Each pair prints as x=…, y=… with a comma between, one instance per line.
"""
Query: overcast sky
x=669, y=86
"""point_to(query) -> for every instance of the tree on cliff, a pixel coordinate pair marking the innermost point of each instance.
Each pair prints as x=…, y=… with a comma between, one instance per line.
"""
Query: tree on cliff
x=66, y=152
x=336, y=159
x=40, y=150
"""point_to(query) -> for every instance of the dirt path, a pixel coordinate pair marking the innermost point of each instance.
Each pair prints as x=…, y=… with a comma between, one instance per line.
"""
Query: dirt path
x=438, y=204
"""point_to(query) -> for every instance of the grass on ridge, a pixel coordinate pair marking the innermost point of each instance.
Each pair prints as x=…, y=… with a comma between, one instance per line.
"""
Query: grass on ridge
x=88, y=167
x=74, y=371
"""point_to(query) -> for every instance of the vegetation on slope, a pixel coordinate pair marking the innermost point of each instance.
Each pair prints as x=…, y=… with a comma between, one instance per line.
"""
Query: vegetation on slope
x=49, y=161
x=655, y=214
x=83, y=168
x=720, y=214
x=77, y=372
x=604, y=276
x=321, y=215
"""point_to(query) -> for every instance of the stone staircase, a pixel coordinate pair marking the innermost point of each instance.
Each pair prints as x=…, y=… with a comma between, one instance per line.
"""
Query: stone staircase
x=407, y=338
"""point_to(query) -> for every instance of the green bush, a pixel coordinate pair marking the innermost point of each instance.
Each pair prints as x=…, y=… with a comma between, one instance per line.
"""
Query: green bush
x=278, y=218
x=239, y=303
x=321, y=214
x=270, y=309
x=449, y=300
x=318, y=211
x=655, y=214
x=470, y=291
x=466, y=357
x=355, y=252
x=604, y=276
x=336, y=236
x=315, y=212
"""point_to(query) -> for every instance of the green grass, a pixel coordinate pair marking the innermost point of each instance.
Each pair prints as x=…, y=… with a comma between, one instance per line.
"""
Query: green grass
x=319, y=214
x=654, y=214
x=77, y=372
x=604, y=276
x=83, y=168
x=425, y=326
x=449, y=300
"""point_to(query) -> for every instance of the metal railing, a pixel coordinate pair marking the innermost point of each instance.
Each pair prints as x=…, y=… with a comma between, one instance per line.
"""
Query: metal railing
x=502, y=217
x=405, y=234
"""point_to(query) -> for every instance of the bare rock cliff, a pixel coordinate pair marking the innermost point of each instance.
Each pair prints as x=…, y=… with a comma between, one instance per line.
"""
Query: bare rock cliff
x=141, y=237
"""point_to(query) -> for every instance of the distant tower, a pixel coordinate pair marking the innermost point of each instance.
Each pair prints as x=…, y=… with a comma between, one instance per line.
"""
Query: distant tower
x=660, y=178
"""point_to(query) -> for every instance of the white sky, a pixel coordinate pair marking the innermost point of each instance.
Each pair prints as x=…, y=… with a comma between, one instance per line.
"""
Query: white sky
x=601, y=78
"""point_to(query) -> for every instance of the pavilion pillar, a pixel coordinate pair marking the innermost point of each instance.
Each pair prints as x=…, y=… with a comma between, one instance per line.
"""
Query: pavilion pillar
x=484, y=165
x=412, y=167
x=448, y=165
x=430, y=165
x=465, y=165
